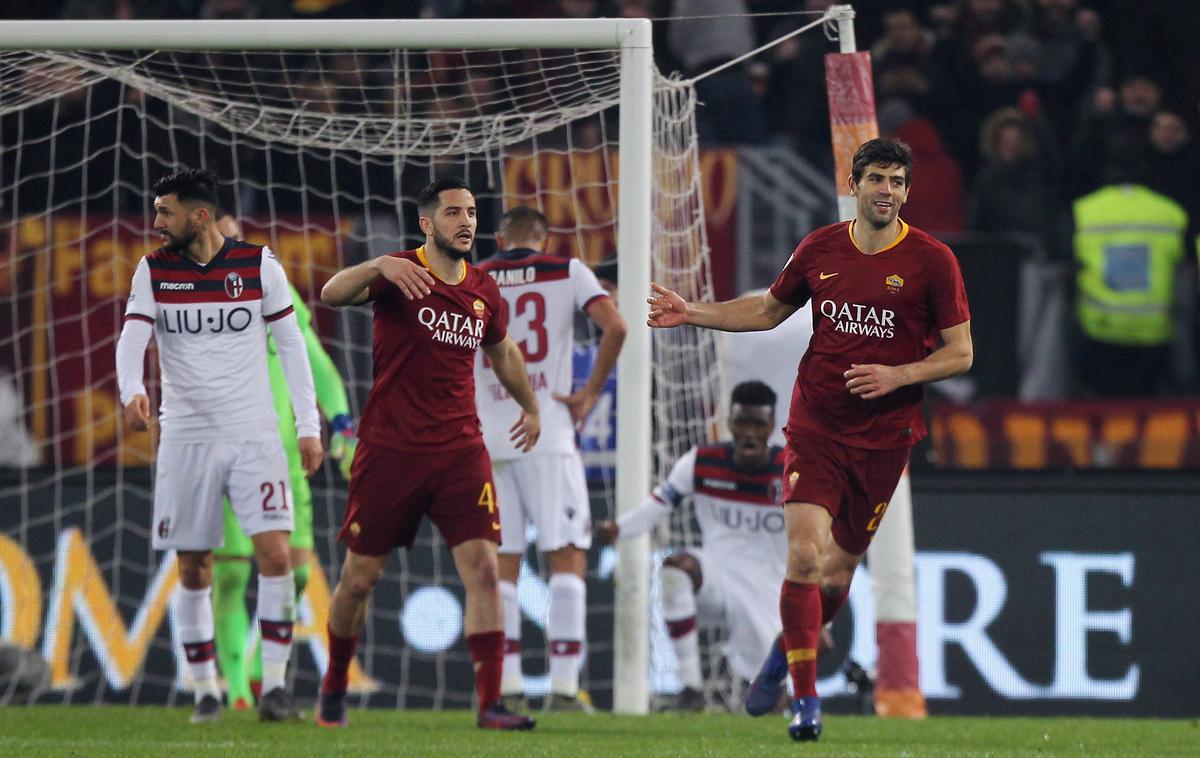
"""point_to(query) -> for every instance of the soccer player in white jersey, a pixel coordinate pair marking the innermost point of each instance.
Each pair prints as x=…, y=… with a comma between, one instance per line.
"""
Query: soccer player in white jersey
x=208, y=299
x=546, y=486
x=732, y=578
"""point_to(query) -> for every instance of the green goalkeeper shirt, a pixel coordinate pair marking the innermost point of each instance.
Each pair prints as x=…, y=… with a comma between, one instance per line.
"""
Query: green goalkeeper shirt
x=331, y=394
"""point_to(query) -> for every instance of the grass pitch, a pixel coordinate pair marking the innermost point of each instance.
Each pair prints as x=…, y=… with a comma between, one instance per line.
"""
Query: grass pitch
x=97, y=731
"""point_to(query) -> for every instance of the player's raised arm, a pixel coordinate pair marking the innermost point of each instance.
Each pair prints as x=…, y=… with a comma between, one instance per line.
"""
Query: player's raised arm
x=754, y=313
x=351, y=286
x=509, y=366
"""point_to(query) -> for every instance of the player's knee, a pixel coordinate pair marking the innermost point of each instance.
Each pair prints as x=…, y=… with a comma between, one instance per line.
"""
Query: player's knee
x=487, y=576
x=804, y=561
x=687, y=563
x=273, y=562
x=195, y=570
x=361, y=580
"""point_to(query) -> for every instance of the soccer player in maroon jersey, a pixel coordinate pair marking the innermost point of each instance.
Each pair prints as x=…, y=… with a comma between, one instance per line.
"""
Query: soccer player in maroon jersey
x=883, y=293
x=420, y=450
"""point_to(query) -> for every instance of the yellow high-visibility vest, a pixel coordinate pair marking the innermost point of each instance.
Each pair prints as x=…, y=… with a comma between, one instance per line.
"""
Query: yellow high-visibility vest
x=1128, y=242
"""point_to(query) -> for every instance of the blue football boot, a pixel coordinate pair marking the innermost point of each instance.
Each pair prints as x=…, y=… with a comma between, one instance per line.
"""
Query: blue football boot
x=806, y=719
x=767, y=687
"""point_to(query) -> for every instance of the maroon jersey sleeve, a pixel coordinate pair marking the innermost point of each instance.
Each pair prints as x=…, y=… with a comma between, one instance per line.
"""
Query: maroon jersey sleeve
x=948, y=296
x=791, y=286
x=497, y=326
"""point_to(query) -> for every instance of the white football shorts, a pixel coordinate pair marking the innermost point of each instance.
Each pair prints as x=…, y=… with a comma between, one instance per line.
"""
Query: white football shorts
x=548, y=491
x=740, y=595
x=192, y=477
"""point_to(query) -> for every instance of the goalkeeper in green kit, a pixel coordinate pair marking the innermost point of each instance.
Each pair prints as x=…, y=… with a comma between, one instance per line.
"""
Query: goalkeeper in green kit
x=231, y=567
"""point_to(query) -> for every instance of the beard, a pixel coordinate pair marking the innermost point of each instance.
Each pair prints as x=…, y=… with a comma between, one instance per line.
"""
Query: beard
x=179, y=244
x=446, y=245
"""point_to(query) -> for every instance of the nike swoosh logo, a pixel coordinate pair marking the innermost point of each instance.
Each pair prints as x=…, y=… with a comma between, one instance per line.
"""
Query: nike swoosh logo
x=825, y=276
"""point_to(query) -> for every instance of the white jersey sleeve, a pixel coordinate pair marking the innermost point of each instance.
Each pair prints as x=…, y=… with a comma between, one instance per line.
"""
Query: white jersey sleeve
x=680, y=483
x=277, y=295
x=585, y=287
x=663, y=499
x=141, y=302
x=140, y=313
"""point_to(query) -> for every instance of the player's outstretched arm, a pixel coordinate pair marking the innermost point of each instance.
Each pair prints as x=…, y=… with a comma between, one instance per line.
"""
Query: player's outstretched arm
x=754, y=313
x=509, y=366
x=351, y=286
x=605, y=315
x=954, y=357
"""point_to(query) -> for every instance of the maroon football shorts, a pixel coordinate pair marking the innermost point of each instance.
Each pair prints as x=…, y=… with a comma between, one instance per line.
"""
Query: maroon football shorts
x=853, y=484
x=390, y=490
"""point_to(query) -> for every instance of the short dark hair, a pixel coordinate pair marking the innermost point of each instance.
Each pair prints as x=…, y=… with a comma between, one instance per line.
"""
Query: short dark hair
x=753, y=393
x=523, y=223
x=882, y=151
x=431, y=196
x=190, y=185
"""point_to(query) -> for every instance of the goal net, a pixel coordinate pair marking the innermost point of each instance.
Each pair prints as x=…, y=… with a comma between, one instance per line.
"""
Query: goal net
x=322, y=154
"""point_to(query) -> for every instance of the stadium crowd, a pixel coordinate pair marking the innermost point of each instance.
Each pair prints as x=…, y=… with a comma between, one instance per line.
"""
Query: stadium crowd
x=1016, y=110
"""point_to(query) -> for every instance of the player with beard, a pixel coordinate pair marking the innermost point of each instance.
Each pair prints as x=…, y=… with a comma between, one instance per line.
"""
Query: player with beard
x=420, y=450
x=208, y=299
x=732, y=577
x=883, y=293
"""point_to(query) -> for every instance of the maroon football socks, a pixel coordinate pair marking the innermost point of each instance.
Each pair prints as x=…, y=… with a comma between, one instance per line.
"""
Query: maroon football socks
x=487, y=653
x=341, y=653
x=800, y=609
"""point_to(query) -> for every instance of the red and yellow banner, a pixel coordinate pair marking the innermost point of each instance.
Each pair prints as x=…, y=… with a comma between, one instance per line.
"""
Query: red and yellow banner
x=65, y=279
x=851, y=87
x=578, y=193
x=1147, y=434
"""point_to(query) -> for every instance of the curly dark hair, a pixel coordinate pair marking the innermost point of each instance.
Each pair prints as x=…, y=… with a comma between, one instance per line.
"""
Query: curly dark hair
x=753, y=393
x=882, y=151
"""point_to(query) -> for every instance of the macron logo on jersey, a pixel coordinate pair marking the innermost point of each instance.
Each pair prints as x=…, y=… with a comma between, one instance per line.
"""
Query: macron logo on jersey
x=856, y=318
x=175, y=286
x=452, y=328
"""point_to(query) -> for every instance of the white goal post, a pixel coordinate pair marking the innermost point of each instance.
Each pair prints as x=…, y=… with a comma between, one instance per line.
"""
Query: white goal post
x=632, y=37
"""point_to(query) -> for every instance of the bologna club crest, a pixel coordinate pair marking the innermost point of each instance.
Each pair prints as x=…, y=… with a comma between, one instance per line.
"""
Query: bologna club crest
x=233, y=285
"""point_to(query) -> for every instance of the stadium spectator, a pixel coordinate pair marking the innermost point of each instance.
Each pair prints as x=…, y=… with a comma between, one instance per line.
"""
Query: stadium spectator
x=796, y=105
x=729, y=112
x=938, y=203
x=1172, y=160
x=1129, y=244
x=421, y=452
x=845, y=456
x=546, y=486
x=1016, y=191
x=731, y=579
x=1116, y=127
x=203, y=454
x=902, y=60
